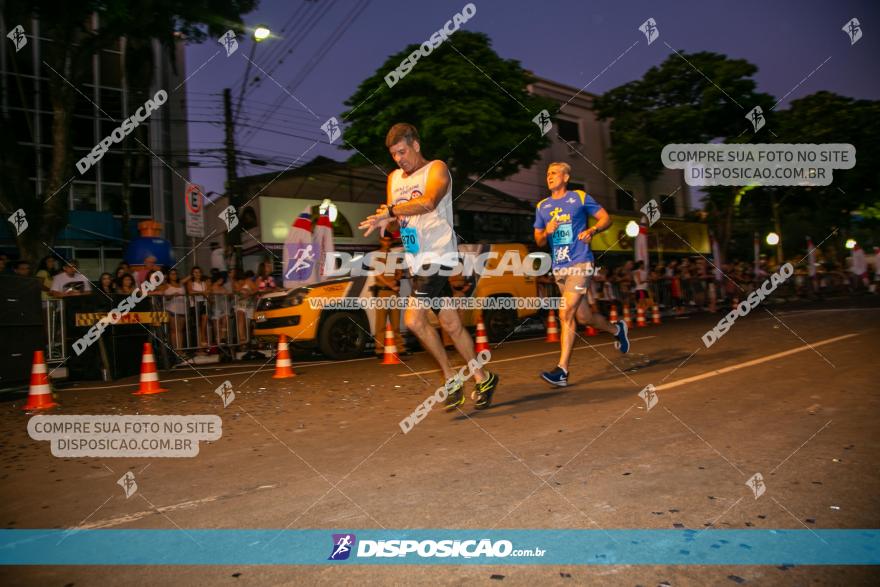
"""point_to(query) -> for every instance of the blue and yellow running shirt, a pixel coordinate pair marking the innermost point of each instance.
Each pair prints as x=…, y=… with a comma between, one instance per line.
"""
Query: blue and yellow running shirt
x=572, y=213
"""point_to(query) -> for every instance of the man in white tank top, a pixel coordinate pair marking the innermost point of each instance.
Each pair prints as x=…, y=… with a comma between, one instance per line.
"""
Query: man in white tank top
x=419, y=204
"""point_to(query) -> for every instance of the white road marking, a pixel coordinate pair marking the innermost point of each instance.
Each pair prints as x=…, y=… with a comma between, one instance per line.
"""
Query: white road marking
x=826, y=310
x=753, y=362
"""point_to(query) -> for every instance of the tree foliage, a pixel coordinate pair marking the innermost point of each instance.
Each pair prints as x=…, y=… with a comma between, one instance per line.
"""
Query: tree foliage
x=471, y=107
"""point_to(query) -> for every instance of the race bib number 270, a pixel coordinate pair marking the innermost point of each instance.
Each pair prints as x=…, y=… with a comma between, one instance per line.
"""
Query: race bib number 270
x=410, y=239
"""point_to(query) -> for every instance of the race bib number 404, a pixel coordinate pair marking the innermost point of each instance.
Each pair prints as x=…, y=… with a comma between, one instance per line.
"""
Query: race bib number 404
x=562, y=235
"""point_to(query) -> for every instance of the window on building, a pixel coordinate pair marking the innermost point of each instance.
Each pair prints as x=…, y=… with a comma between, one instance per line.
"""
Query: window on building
x=141, y=204
x=625, y=200
x=111, y=198
x=46, y=120
x=111, y=69
x=111, y=104
x=82, y=132
x=140, y=168
x=89, y=262
x=29, y=161
x=18, y=124
x=112, y=259
x=111, y=167
x=91, y=174
x=82, y=106
x=667, y=205
x=569, y=130
x=84, y=196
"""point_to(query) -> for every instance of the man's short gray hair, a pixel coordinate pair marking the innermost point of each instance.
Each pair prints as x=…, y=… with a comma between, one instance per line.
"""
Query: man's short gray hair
x=565, y=166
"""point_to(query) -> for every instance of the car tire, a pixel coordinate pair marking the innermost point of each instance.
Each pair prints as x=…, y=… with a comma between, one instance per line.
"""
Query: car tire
x=343, y=335
x=499, y=323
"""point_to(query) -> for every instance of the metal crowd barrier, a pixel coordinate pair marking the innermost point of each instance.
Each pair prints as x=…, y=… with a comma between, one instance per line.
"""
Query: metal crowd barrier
x=179, y=326
x=56, y=349
x=203, y=321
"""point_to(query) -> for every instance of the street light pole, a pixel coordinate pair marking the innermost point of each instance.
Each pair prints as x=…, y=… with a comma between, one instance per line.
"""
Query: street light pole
x=233, y=237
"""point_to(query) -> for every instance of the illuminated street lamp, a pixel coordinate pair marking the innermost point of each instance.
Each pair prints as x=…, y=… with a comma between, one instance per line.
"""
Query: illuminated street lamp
x=850, y=243
x=632, y=229
x=772, y=239
x=261, y=33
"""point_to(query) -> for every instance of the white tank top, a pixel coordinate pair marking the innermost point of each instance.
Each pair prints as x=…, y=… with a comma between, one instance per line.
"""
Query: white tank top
x=429, y=236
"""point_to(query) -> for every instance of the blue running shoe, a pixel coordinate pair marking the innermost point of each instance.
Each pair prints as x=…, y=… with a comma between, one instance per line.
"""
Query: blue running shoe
x=557, y=377
x=622, y=343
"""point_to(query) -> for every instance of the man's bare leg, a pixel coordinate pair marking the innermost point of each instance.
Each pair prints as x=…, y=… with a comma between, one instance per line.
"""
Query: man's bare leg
x=416, y=320
x=450, y=321
x=586, y=315
x=568, y=326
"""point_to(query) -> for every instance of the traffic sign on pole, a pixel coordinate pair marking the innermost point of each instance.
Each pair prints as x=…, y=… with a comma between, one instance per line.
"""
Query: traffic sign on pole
x=195, y=211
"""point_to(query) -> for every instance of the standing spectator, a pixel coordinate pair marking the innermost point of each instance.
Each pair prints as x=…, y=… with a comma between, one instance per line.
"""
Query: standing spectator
x=173, y=293
x=265, y=281
x=701, y=280
x=220, y=307
x=674, y=280
x=125, y=284
x=149, y=266
x=3, y=260
x=70, y=282
x=218, y=259
x=22, y=268
x=624, y=283
x=686, y=276
x=245, y=288
x=859, y=269
x=122, y=269
x=874, y=287
x=197, y=287
x=640, y=277
x=105, y=284
x=46, y=270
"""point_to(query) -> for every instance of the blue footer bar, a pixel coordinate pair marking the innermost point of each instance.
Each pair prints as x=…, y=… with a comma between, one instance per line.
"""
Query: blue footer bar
x=424, y=546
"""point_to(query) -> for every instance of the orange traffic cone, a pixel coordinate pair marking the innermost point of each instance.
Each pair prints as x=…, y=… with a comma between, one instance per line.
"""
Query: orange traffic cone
x=552, y=328
x=612, y=317
x=626, y=316
x=482, y=341
x=590, y=331
x=40, y=393
x=640, y=317
x=390, y=356
x=283, y=366
x=149, y=374
x=655, y=314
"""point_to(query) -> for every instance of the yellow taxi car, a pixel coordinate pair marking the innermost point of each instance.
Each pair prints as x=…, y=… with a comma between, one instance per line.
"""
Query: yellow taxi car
x=347, y=333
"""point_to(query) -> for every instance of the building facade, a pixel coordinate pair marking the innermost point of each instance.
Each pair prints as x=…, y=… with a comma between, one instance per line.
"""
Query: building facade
x=95, y=234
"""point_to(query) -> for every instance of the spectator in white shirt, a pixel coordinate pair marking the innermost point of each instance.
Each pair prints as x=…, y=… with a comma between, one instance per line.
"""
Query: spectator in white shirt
x=70, y=282
x=218, y=258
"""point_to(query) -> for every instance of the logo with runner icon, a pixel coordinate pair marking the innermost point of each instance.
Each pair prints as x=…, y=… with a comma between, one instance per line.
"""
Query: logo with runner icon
x=343, y=544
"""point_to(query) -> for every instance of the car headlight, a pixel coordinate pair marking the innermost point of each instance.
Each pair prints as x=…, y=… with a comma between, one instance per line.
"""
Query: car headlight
x=296, y=297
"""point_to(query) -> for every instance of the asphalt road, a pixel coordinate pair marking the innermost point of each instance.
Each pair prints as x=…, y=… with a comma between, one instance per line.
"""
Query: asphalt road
x=791, y=395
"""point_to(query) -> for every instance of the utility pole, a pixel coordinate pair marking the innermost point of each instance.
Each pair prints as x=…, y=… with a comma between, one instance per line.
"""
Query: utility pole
x=233, y=237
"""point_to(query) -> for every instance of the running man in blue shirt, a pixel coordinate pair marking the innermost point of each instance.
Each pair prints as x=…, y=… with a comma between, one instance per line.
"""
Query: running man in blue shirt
x=563, y=219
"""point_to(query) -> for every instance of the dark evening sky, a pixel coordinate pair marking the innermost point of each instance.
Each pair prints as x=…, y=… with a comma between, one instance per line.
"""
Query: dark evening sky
x=570, y=42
